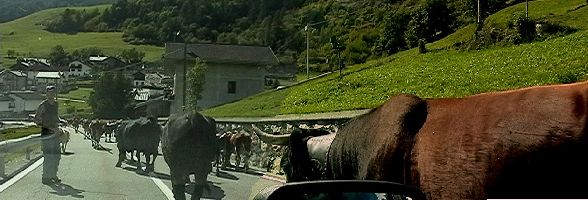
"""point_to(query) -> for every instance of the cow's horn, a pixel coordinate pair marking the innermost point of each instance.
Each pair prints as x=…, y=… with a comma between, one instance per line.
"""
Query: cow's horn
x=272, y=139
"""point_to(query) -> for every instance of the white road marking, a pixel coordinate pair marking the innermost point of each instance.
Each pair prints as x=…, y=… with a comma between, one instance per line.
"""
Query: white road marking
x=166, y=191
x=21, y=175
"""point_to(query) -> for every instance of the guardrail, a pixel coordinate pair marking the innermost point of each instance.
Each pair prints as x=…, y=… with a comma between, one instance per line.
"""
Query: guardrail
x=13, y=151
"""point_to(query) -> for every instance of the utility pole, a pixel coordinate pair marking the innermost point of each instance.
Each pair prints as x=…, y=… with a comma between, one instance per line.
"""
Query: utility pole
x=527, y=8
x=184, y=78
x=479, y=17
x=307, y=48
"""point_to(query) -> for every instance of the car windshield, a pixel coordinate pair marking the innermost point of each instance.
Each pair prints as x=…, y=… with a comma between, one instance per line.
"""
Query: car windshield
x=223, y=99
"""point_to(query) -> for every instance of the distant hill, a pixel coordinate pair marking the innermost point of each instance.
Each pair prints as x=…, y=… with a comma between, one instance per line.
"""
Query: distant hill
x=26, y=38
x=13, y=9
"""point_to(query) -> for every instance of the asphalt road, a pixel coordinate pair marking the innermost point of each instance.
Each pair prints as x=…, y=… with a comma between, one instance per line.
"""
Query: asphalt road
x=90, y=174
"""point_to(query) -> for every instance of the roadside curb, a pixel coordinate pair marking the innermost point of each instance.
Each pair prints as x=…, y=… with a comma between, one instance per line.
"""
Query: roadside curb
x=272, y=177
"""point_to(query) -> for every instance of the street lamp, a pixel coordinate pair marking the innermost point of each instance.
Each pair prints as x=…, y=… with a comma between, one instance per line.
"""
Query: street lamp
x=307, y=69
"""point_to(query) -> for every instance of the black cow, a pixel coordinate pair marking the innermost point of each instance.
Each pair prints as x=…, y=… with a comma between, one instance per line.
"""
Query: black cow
x=189, y=145
x=140, y=136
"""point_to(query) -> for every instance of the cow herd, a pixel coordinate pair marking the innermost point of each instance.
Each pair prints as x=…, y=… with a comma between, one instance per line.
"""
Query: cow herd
x=189, y=143
x=523, y=143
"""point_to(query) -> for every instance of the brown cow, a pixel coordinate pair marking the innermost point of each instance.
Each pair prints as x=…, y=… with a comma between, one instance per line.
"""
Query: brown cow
x=524, y=143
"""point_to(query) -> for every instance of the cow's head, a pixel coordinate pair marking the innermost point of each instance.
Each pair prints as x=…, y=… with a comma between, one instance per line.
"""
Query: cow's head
x=306, y=156
x=396, y=121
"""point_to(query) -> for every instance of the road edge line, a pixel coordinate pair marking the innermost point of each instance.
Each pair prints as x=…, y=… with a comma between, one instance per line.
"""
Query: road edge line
x=164, y=189
x=21, y=175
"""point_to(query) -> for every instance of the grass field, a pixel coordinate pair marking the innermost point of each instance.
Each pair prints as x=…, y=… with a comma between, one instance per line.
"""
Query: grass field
x=572, y=13
x=78, y=94
x=71, y=107
x=440, y=73
x=13, y=133
x=26, y=36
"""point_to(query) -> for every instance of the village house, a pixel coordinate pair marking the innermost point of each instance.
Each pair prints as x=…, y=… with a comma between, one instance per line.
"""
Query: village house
x=232, y=72
x=44, y=79
x=6, y=106
x=25, y=101
x=12, y=80
x=106, y=62
x=78, y=69
x=138, y=79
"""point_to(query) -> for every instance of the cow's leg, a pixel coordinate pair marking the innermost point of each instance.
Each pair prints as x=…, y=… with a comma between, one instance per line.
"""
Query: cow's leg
x=197, y=192
x=152, y=168
x=246, y=160
x=122, y=154
x=178, y=184
x=238, y=156
x=227, y=158
x=147, y=161
x=138, y=154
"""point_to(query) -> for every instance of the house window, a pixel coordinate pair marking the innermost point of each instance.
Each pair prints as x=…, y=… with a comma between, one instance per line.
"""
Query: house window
x=232, y=87
x=11, y=105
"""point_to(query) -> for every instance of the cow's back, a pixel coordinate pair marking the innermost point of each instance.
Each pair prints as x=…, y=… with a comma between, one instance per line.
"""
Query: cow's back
x=506, y=144
x=187, y=137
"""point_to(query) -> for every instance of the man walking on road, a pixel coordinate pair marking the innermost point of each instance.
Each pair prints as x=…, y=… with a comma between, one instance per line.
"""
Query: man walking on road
x=46, y=117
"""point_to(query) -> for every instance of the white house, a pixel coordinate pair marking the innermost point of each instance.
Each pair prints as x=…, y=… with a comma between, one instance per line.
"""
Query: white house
x=26, y=101
x=6, y=104
x=77, y=68
x=43, y=79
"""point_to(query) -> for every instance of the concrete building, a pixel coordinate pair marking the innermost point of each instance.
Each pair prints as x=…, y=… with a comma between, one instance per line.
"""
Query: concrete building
x=25, y=101
x=12, y=80
x=232, y=72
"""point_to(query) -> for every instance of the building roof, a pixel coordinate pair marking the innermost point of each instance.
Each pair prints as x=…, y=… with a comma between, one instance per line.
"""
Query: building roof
x=16, y=73
x=49, y=75
x=6, y=98
x=216, y=53
x=97, y=58
x=27, y=95
x=78, y=64
x=39, y=60
x=139, y=76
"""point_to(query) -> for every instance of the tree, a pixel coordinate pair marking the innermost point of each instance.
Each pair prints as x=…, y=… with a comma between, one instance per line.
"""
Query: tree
x=131, y=56
x=58, y=57
x=112, y=97
x=10, y=53
x=195, y=84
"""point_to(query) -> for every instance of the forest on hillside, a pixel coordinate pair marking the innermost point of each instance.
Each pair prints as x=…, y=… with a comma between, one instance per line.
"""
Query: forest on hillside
x=359, y=30
x=13, y=9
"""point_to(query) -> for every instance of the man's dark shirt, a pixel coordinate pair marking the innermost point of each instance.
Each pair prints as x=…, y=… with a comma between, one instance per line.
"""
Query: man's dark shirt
x=47, y=116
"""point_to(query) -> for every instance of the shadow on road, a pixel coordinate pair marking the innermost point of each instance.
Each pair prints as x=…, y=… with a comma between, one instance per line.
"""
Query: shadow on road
x=67, y=153
x=226, y=175
x=102, y=148
x=240, y=170
x=63, y=189
x=214, y=192
x=150, y=174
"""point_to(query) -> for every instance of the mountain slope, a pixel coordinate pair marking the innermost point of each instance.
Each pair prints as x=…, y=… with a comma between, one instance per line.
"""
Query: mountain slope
x=440, y=73
x=13, y=9
x=26, y=37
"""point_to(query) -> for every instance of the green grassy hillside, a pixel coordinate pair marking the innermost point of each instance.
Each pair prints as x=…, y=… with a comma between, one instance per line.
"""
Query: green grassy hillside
x=441, y=73
x=26, y=37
